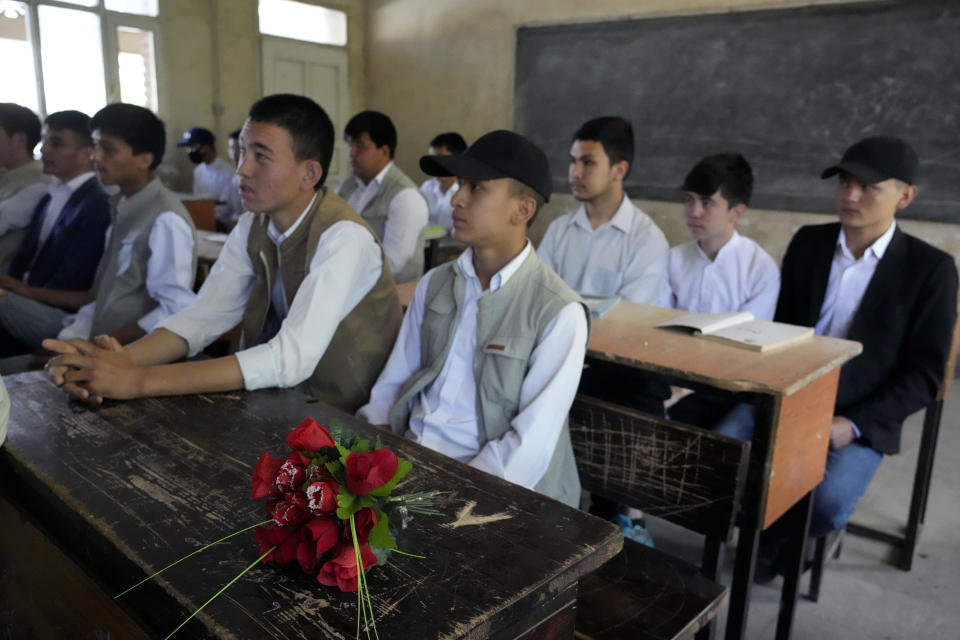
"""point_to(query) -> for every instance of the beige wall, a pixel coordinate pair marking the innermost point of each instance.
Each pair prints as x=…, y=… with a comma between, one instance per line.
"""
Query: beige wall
x=209, y=69
x=436, y=65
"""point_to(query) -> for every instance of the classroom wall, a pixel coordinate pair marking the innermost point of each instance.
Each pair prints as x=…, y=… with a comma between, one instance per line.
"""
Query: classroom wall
x=209, y=69
x=448, y=65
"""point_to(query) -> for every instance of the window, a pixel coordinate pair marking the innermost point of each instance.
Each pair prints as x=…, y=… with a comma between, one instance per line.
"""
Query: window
x=56, y=57
x=301, y=21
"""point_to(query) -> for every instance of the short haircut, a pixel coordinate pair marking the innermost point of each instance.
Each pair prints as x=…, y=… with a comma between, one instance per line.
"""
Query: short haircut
x=452, y=142
x=18, y=119
x=307, y=123
x=234, y=135
x=138, y=127
x=75, y=121
x=376, y=125
x=615, y=135
x=520, y=189
x=730, y=173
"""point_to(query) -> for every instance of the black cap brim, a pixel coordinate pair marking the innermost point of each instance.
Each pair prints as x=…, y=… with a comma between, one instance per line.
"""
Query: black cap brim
x=460, y=166
x=184, y=143
x=863, y=173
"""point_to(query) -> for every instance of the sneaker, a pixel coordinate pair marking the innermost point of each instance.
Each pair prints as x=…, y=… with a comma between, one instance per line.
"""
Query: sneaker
x=635, y=530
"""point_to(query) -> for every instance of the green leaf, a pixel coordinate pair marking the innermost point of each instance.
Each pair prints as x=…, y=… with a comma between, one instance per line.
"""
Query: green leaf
x=361, y=446
x=403, y=468
x=380, y=534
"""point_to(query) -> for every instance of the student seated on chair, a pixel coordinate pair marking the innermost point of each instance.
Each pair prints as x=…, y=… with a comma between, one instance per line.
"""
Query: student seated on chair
x=213, y=176
x=54, y=268
x=607, y=246
x=301, y=273
x=22, y=181
x=490, y=351
x=864, y=279
x=439, y=191
x=383, y=194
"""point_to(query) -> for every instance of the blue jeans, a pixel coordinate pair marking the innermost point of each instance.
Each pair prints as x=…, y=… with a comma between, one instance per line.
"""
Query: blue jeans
x=28, y=321
x=849, y=471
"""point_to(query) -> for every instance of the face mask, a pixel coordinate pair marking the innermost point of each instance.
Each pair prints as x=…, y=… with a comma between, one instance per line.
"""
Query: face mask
x=195, y=157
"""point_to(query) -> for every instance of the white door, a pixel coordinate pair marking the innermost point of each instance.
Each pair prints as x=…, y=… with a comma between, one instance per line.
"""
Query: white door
x=318, y=72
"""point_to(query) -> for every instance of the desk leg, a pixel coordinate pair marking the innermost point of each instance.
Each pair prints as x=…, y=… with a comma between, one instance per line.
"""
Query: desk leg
x=791, y=581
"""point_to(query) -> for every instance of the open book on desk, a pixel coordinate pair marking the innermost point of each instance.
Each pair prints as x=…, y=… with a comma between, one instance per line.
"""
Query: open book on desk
x=740, y=329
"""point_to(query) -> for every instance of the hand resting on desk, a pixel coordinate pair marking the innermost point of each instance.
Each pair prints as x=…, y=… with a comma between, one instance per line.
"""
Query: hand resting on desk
x=87, y=372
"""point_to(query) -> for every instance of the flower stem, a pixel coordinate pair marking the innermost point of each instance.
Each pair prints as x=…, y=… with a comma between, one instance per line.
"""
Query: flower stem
x=362, y=589
x=404, y=553
x=224, y=588
x=203, y=548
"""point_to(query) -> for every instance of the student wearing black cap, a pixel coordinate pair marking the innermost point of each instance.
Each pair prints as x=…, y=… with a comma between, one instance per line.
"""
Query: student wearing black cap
x=491, y=348
x=213, y=176
x=864, y=279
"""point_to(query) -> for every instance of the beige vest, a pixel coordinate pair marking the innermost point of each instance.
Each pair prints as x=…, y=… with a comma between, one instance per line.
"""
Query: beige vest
x=362, y=342
x=509, y=322
x=11, y=182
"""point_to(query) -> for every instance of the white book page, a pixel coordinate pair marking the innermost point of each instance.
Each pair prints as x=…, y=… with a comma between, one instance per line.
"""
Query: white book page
x=708, y=322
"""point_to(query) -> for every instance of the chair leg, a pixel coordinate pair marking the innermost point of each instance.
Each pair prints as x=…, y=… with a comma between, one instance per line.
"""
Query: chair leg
x=816, y=572
x=921, y=484
x=710, y=567
x=934, y=435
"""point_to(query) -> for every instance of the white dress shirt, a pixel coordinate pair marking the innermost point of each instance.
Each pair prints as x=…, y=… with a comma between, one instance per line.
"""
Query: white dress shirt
x=169, y=282
x=625, y=256
x=742, y=277
x=345, y=267
x=217, y=181
x=438, y=200
x=407, y=216
x=444, y=416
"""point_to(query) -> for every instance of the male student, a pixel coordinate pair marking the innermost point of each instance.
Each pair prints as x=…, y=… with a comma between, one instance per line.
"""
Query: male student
x=380, y=192
x=233, y=148
x=607, y=246
x=4, y=411
x=22, y=181
x=55, y=265
x=212, y=175
x=489, y=354
x=301, y=272
x=864, y=279
x=149, y=259
x=720, y=270
x=439, y=191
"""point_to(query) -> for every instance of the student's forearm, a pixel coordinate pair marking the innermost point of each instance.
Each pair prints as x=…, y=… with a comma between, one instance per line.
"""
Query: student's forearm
x=161, y=346
x=65, y=299
x=128, y=333
x=202, y=376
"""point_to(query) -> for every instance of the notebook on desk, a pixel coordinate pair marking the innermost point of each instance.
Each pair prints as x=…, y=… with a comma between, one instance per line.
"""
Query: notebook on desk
x=740, y=329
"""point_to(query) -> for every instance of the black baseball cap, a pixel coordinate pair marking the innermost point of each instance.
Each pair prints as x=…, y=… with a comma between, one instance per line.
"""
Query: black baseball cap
x=196, y=135
x=498, y=154
x=876, y=159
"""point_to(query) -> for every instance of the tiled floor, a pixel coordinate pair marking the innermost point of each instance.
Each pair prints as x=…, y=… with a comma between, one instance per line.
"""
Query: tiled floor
x=863, y=595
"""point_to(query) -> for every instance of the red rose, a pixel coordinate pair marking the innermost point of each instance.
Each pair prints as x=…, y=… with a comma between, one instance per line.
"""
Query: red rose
x=285, y=540
x=322, y=496
x=364, y=520
x=292, y=510
x=265, y=477
x=316, y=472
x=341, y=569
x=316, y=537
x=310, y=436
x=367, y=471
x=290, y=476
x=298, y=458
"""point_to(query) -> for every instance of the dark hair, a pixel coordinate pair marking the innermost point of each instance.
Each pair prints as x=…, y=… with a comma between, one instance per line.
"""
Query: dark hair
x=615, y=135
x=728, y=172
x=235, y=134
x=376, y=125
x=17, y=119
x=306, y=122
x=138, y=127
x=75, y=121
x=452, y=142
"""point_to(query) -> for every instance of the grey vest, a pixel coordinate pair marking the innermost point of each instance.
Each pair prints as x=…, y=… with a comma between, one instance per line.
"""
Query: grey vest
x=375, y=214
x=11, y=182
x=509, y=321
x=121, y=280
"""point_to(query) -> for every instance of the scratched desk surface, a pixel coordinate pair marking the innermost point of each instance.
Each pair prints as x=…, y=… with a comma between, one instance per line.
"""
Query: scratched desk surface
x=133, y=486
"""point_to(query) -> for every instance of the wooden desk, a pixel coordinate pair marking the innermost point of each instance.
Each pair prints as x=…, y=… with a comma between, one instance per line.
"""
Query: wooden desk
x=125, y=490
x=202, y=209
x=793, y=388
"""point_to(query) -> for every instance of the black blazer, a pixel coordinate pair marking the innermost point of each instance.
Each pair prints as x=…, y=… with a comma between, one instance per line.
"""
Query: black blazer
x=905, y=323
x=69, y=257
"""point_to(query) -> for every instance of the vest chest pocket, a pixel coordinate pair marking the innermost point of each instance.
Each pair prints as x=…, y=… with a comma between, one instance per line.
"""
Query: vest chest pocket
x=502, y=368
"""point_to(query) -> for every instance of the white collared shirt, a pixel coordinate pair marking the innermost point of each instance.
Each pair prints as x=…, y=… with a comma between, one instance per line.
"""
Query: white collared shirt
x=625, y=256
x=59, y=194
x=742, y=277
x=848, y=282
x=17, y=209
x=216, y=180
x=444, y=414
x=407, y=215
x=344, y=268
x=169, y=282
x=438, y=200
